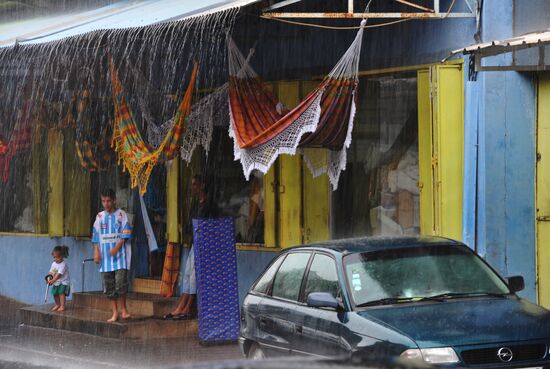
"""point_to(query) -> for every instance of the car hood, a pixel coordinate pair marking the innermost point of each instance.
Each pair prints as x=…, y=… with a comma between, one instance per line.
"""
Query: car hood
x=465, y=321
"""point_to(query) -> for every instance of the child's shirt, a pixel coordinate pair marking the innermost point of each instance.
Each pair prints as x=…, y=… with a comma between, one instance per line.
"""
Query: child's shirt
x=107, y=230
x=62, y=269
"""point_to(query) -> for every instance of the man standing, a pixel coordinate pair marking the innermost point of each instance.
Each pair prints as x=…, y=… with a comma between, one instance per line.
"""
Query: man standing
x=202, y=207
x=111, y=235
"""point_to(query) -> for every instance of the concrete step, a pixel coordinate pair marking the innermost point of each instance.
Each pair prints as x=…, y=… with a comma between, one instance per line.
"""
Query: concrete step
x=137, y=303
x=146, y=285
x=94, y=322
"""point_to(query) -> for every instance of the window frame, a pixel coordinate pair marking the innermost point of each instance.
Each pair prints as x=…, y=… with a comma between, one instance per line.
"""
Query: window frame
x=270, y=284
x=302, y=297
x=302, y=283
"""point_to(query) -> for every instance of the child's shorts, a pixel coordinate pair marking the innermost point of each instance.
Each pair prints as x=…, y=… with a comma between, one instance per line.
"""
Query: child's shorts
x=61, y=290
x=115, y=284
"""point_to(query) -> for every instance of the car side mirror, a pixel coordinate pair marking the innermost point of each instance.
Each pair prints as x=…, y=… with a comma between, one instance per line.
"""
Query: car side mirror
x=322, y=300
x=516, y=283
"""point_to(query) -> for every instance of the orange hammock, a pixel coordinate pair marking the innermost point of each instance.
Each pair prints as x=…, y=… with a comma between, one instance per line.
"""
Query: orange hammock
x=262, y=128
x=137, y=156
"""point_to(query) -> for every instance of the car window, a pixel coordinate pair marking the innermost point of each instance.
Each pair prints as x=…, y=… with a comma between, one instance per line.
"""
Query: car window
x=322, y=276
x=263, y=283
x=419, y=272
x=289, y=277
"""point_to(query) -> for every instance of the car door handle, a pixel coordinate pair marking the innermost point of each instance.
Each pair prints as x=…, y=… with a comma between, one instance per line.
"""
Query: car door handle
x=299, y=329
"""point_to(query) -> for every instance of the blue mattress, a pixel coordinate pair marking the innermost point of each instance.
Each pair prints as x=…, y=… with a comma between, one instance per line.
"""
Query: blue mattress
x=217, y=283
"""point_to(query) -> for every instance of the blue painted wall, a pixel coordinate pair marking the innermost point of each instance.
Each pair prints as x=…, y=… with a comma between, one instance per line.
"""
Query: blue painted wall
x=506, y=192
x=27, y=259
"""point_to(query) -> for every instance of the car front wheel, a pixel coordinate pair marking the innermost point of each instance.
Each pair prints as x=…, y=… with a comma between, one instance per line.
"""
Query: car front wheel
x=255, y=352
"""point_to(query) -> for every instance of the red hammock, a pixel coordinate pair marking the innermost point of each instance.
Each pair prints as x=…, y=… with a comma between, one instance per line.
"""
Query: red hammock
x=262, y=129
x=20, y=138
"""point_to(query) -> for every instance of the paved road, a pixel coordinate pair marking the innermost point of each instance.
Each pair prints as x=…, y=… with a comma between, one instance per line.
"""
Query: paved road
x=30, y=348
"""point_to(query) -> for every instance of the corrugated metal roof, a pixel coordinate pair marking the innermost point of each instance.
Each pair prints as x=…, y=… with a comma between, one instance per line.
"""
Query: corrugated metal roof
x=122, y=14
x=515, y=43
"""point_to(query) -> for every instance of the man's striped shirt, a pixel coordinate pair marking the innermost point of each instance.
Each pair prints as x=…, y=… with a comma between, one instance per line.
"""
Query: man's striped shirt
x=108, y=229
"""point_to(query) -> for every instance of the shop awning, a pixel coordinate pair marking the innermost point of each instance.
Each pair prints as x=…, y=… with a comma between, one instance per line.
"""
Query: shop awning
x=121, y=14
x=522, y=59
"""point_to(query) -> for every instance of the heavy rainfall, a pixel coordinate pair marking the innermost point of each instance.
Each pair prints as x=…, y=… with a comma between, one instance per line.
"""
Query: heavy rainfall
x=160, y=160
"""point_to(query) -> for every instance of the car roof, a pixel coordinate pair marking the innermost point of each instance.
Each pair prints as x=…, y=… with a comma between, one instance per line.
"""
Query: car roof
x=365, y=244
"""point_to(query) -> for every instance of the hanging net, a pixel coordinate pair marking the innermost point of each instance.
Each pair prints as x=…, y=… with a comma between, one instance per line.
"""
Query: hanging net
x=137, y=156
x=262, y=129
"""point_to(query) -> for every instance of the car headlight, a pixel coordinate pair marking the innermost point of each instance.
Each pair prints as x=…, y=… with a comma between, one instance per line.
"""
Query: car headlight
x=439, y=355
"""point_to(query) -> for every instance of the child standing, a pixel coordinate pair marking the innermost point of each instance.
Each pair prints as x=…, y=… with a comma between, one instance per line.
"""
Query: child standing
x=61, y=280
x=111, y=236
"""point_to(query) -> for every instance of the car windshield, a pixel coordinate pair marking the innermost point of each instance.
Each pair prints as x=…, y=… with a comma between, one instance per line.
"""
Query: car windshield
x=416, y=273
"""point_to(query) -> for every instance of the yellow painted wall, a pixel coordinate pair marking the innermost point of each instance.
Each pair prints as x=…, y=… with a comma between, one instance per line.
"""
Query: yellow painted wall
x=543, y=191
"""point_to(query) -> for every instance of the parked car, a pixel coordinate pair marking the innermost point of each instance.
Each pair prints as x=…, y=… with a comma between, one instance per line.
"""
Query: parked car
x=423, y=298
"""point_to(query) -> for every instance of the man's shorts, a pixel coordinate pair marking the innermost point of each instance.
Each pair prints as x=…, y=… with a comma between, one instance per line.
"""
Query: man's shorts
x=61, y=290
x=115, y=284
x=189, y=284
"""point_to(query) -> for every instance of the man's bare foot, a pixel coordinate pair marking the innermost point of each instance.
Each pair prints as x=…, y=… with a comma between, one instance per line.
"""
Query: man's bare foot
x=56, y=307
x=125, y=315
x=113, y=319
x=61, y=308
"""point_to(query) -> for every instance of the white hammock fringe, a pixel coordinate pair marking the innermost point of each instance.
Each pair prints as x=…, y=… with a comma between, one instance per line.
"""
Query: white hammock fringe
x=262, y=157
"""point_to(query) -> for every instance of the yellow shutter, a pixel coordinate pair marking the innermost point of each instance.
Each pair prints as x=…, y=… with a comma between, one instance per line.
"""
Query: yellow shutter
x=172, y=202
x=427, y=223
x=543, y=191
x=55, y=183
x=40, y=180
x=77, y=185
x=290, y=175
x=317, y=193
x=441, y=149
x=450, y=138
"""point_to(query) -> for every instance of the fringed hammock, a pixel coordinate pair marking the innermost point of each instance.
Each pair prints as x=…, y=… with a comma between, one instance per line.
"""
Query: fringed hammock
x=262, y=128
x=137, y=156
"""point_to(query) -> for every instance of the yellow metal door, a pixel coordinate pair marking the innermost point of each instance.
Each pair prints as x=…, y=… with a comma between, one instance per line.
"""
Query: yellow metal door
x=441, y=149
x=543, y=191
x=425, y=168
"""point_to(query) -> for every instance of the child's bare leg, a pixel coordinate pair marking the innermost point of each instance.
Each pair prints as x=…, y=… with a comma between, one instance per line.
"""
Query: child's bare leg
x=61, y=302
x=124, y=311
x=57, y=303
x=114, y=317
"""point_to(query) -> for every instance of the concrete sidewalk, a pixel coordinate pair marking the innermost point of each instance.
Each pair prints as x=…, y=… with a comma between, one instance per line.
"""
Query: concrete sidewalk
x=25, y=347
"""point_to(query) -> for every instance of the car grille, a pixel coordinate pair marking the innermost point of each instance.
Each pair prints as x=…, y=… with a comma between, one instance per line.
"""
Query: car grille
x=489, y=355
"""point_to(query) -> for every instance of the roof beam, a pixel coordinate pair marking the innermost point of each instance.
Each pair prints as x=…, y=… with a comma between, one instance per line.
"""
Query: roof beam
x=422, y=15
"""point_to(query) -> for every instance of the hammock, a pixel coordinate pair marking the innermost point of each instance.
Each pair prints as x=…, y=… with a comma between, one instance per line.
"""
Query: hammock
x=21, y=137
x=136, y=156
x=92, y=142
x=262, y=129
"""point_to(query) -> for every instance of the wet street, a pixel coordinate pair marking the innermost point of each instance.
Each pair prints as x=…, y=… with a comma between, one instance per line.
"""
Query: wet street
x=24, y=347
